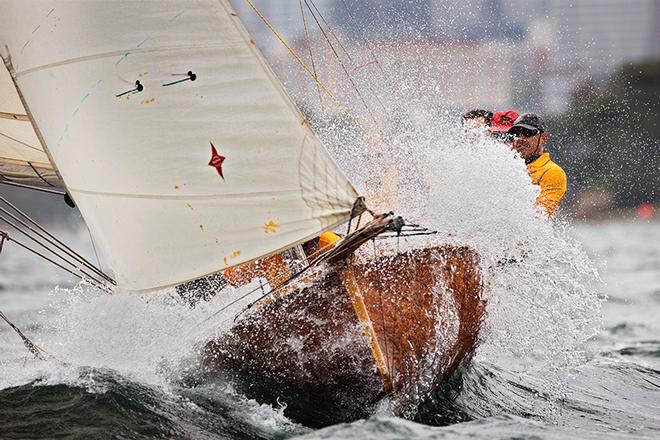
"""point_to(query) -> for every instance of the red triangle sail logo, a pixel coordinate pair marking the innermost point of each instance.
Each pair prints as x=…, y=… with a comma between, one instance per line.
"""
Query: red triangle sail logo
x=217, y=160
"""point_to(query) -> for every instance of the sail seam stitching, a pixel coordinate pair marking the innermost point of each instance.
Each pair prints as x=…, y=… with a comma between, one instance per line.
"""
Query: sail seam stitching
x=23, y=162
x=186, y=197
x=14, y=116
x=21, y=142
x=127, y=51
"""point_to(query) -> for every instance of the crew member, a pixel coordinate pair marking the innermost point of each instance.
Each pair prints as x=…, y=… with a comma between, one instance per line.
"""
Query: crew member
x=274, y=268
x=326, y=242
x=501, y=123
x=477, y=118
x=529, y=136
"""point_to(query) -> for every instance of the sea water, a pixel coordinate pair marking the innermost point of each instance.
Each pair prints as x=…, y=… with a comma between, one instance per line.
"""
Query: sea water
x=570, y=346
x=122, y=363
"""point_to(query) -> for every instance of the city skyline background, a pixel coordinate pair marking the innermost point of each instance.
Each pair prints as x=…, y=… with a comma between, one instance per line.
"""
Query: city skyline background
x=560, y=44
x=591, y=67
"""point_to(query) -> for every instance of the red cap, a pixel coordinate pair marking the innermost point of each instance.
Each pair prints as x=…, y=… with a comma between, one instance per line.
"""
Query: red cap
x=502, y=121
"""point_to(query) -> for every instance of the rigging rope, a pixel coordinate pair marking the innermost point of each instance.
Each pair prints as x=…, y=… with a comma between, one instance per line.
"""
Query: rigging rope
x=371, y=51
x=341, y=63
x=336, y=100
x=309, y=47
x=87, y=278
x=33, y=348
x=350, y=58
x=13, y=225
x=35, y=188
x=51, y=239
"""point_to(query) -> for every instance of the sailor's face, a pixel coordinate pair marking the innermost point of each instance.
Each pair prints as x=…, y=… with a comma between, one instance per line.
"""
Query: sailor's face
x=529, y=146
x=525, y=145
x=476, y=126
x=479, y=121
x=475, y=123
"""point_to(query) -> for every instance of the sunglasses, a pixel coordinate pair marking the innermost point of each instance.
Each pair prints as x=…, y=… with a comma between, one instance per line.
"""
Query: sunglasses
x=523, y=132
x=502, y=136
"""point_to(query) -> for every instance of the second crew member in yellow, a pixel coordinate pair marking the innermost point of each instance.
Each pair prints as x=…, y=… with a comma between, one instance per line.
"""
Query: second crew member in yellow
x=327, y=241
x=274, y=267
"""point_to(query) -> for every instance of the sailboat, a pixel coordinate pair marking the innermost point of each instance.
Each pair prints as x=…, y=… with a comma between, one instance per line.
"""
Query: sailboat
x=165, y=126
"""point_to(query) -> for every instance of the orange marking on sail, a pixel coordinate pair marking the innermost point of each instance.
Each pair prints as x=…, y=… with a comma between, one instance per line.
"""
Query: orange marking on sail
x=236, y=253
x=271, y=227
x=226, y=262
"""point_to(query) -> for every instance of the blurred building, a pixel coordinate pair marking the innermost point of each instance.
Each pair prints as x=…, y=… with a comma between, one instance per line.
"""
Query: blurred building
x=549, y=47
x=598, y=35
x=456, y=75
x=601, y=35
x=410, y=76
x=562, y=43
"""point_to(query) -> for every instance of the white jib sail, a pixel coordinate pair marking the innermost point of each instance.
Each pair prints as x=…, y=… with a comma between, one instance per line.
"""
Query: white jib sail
x=176, y=178
x=22, y=160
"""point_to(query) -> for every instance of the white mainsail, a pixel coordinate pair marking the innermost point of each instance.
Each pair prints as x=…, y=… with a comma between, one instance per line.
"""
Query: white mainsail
x=176, y=178
x=22, y=160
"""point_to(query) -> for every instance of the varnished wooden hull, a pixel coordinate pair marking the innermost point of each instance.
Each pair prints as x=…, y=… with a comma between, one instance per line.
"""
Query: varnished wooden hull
x=331, y=349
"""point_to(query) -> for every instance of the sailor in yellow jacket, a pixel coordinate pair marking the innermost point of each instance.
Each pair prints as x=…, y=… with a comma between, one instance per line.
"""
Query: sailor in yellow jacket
x=274, y=268
x=529, y=136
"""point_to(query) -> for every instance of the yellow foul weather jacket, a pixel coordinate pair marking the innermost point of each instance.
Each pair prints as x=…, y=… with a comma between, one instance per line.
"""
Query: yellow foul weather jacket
x=552, y=180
